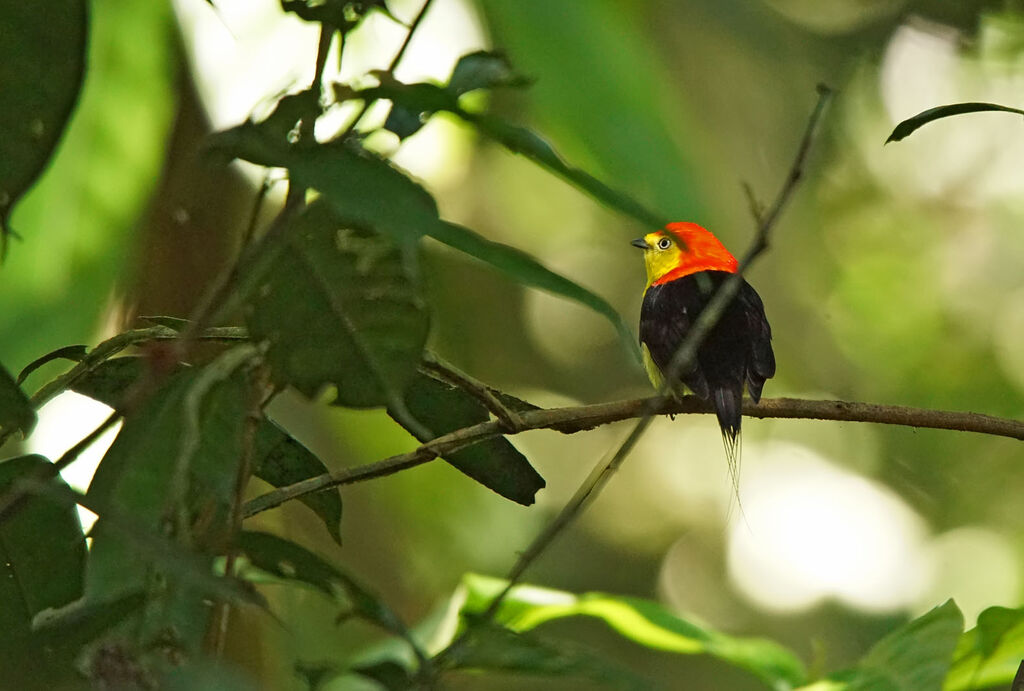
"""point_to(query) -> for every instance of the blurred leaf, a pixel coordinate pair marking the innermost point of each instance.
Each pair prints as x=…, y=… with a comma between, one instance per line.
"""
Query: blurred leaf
x=344, y=15
x=75, y=353
x=483, y=70
x=294, y=563
x=42, y=551
x=642, y=621
x=174, y=461
x=910, y=125
x=391, y=675
x=990, y=653
x=340, y=306
x=632, y=124
x=403, y=122
x=42, y=61
x=278, y=458
x=494, y=463
x=914, y=657
x=493, y=648
x=16, y=412
x=207, y=675
x=81, y=218
x=522, y=267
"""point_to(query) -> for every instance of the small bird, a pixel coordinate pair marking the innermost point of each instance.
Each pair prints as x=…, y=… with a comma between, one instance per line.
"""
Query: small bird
x=681, y=278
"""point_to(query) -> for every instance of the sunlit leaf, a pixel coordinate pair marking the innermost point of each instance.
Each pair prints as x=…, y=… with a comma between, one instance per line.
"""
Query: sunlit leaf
x=642, y=621
x=278, y=458
x=340, y=306
x=483, y=70
x=914, y=657
x=42, y=60
x=910, y=125
x=16, y=412
x=494, y=463
x=497, y=649
x=990, y=653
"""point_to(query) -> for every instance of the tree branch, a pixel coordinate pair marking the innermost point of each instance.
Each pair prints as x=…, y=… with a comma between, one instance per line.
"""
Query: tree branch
x=581, y=418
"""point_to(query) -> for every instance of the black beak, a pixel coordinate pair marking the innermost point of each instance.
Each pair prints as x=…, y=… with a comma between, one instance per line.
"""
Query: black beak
x=641, y=243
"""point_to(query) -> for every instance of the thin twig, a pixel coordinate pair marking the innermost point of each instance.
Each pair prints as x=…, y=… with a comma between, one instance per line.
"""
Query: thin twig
x=581, y=418
x=391, y=68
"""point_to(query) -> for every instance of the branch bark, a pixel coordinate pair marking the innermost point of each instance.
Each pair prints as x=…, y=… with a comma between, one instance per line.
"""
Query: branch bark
x=581, y=418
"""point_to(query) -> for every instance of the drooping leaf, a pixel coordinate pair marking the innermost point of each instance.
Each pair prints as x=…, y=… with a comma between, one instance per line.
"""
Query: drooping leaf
x=497, y=649
x=642, y=621
x=278, y=458
x=340, y=306
x=42, y=60
x=483, y=70
x=75, y=353
x=16, y=412
x=522, y=267
x=291, y=562
x=176, y=324
x=494, y=463
x=42, y=550
x=910, y=125
x=990, y=653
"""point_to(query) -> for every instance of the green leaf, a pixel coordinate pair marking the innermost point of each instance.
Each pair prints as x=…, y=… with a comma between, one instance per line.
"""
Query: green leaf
x=525, y=269
x=294, y=563
x=75, y=353
x=483, y=70
x=42, y=62
x=109, y=380
x=340, y=306
x=494, y=463
x=910, y=125
x=494, y=648
x=641, y=621
x=990, y=653
x=914, y=657
x=208, y=675
x=174, y=462
x=176, y=324
x=16, y=412
x=42, y=550
x=278, y=458
x=81, y=219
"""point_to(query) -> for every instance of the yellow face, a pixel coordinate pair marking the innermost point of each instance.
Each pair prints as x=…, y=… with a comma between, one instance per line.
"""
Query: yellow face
x=661, y=255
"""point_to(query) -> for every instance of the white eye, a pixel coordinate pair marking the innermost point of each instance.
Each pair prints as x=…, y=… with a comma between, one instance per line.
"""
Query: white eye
x=664, y=244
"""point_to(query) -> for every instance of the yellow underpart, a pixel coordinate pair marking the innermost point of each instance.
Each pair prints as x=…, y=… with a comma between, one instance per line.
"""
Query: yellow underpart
x=653, y=373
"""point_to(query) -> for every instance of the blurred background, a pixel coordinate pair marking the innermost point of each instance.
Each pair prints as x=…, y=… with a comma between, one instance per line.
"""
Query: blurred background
x=896, y=276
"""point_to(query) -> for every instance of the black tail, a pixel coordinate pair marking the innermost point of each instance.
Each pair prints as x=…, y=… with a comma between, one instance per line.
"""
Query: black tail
x=728, y=408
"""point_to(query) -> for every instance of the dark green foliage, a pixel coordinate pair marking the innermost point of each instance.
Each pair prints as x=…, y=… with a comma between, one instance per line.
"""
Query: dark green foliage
x=42, y=56
x=15, y=411
x=910, y=125
x=75, y=353
x=494, y=463
x=278, y=458
x=340, y=306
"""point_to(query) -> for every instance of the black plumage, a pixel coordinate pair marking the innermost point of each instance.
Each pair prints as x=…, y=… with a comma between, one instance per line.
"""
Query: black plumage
x=737, y=351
